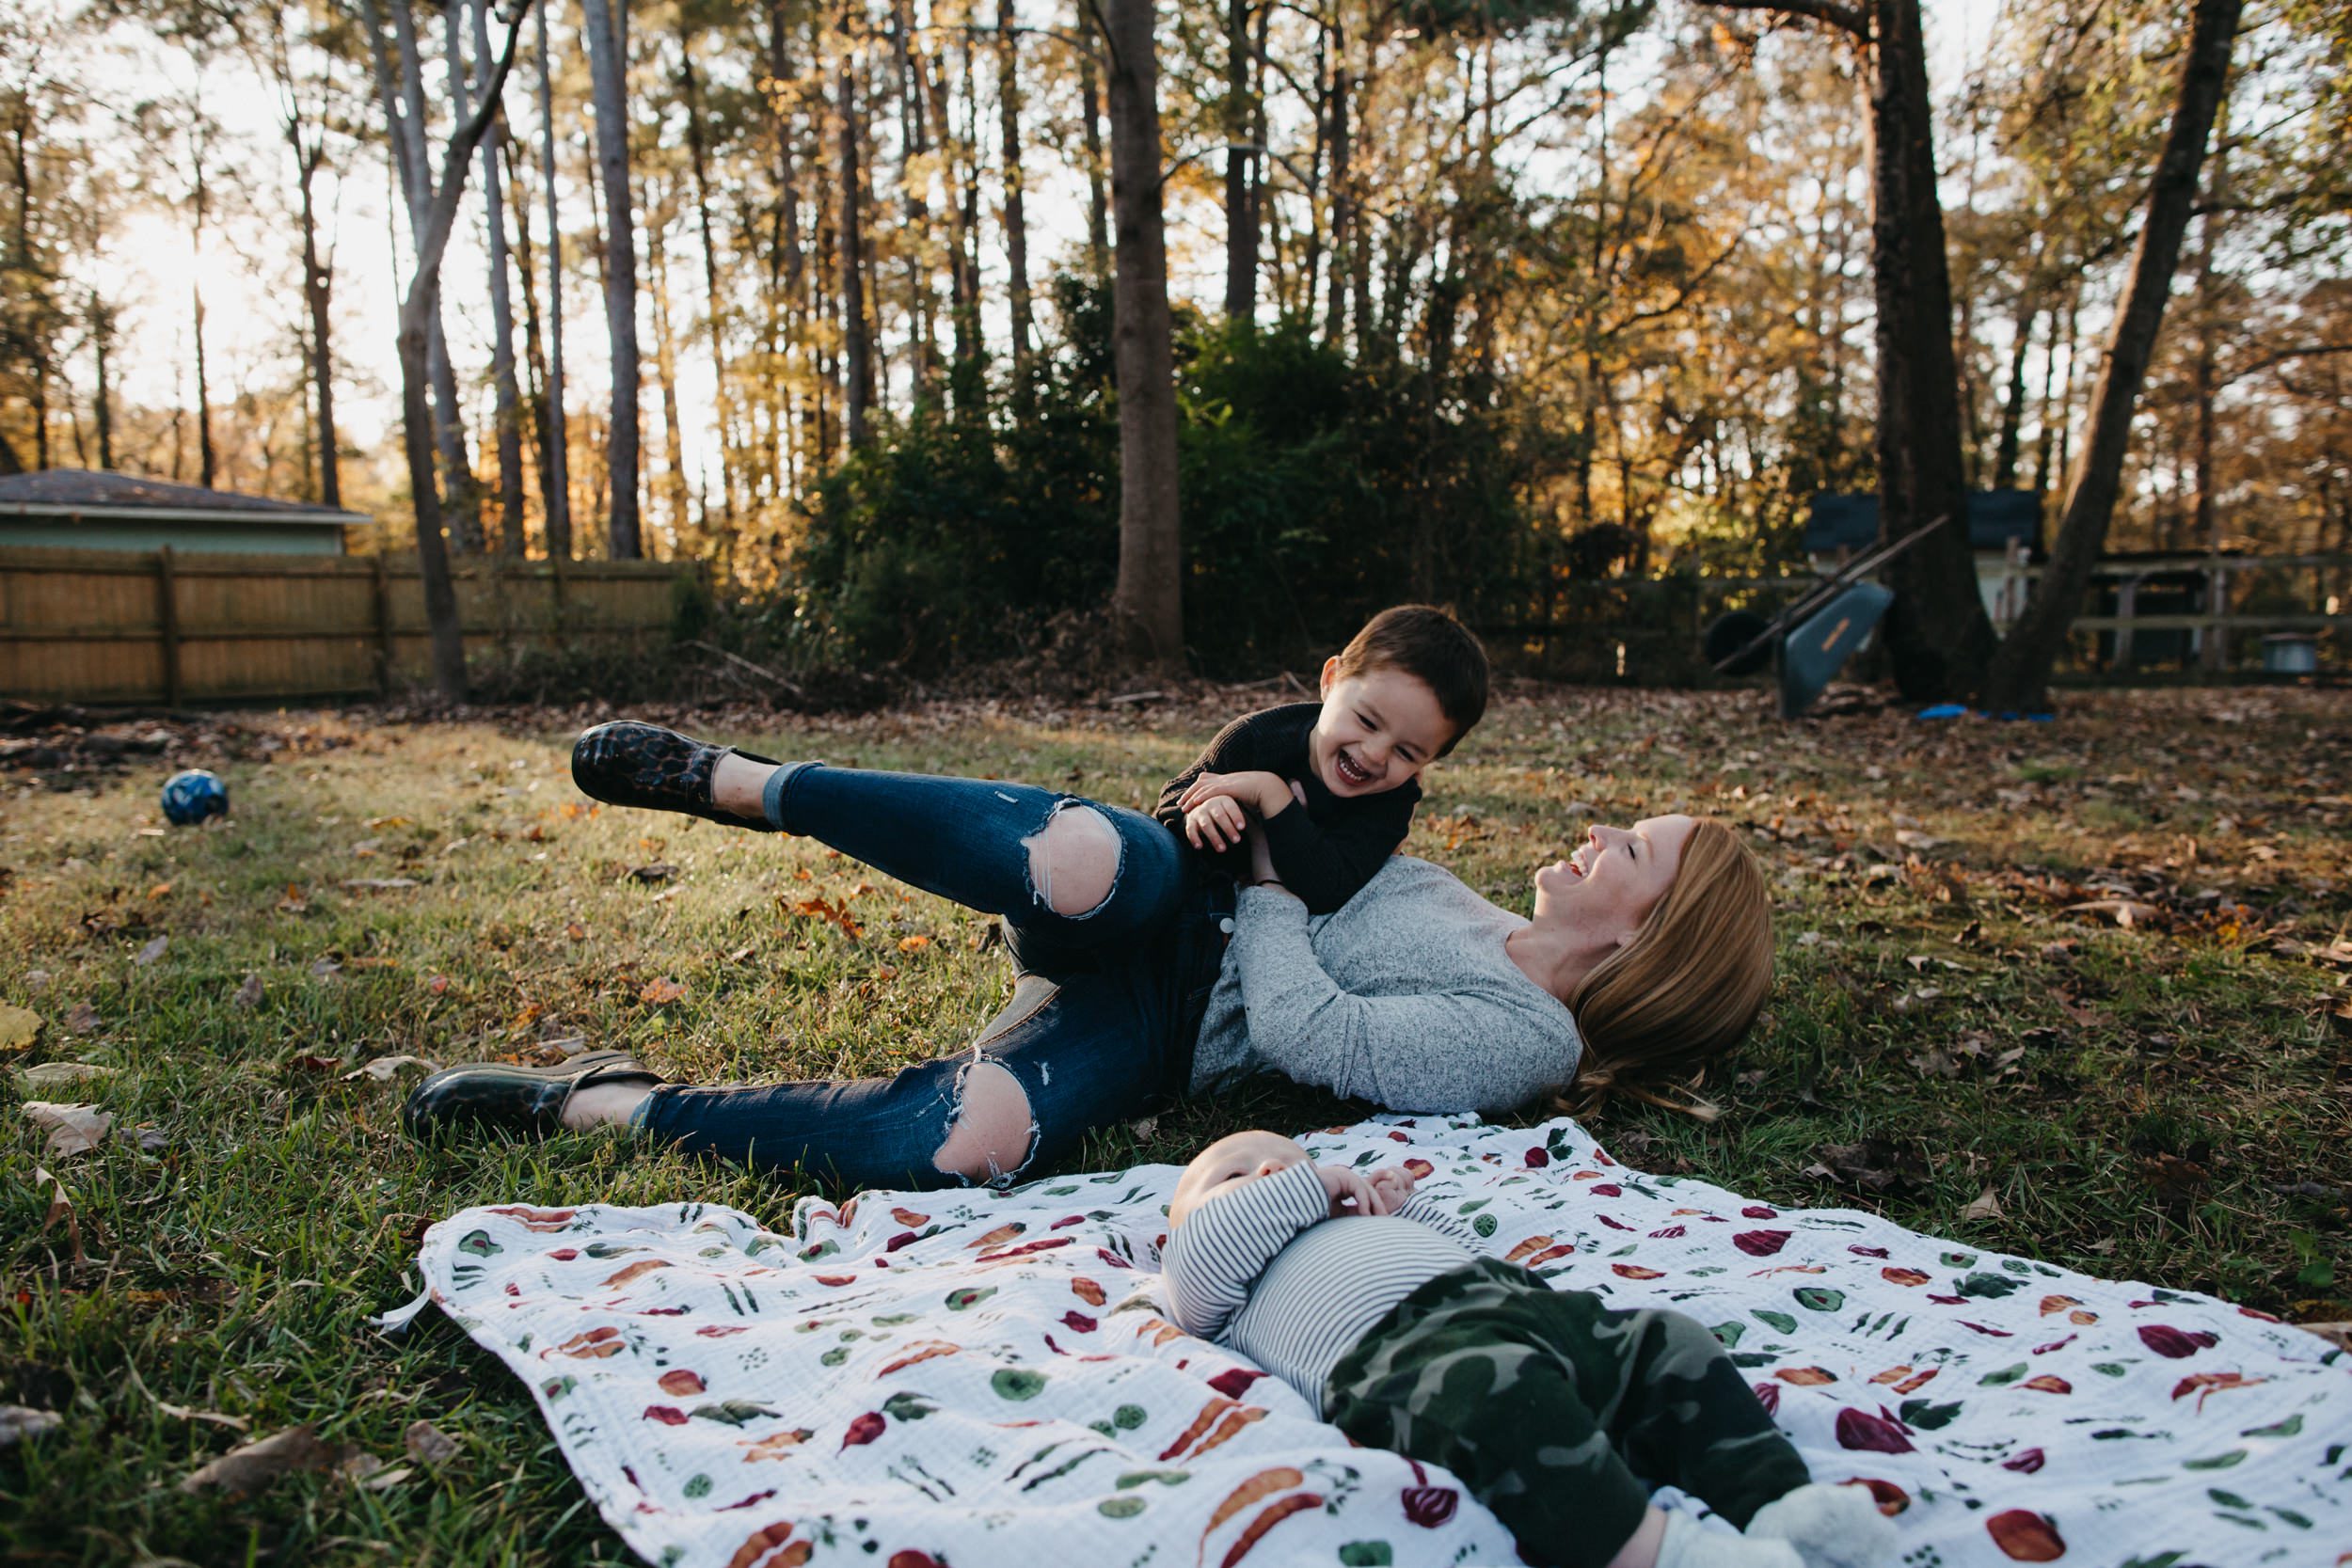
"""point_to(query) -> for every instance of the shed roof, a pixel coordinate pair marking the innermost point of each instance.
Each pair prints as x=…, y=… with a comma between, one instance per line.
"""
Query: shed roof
x=92, y=493
x=1850, y=521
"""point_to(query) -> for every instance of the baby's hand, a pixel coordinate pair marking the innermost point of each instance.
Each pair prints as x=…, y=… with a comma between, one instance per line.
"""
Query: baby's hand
x=1393, y=1186
x=1349, y=1192
x=1215, y=824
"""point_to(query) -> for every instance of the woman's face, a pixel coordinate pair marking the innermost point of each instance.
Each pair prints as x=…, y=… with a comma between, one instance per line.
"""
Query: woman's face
x=1615, y=878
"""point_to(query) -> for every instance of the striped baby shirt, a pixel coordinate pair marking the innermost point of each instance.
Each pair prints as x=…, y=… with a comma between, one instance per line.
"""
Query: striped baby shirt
x=1262, y=1269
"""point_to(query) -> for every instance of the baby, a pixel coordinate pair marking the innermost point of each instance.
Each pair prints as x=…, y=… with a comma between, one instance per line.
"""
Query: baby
x=1556, y=1411
x=1335, y=782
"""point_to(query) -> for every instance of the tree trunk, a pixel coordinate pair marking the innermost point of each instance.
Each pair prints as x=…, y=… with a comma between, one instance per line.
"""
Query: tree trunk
x=1148, y=601
x=416, y=312
x=534, y=355
x=316, y=284
x=1938, y=636
x=784, y=337
x=697, y=163
x=102, y=337
x=2020, y=672
x=1342, y=206
x=508, y=396
x=913, y=149
x=856, y=348
x=1098, y=200
x=606, y=36
x=556, y=487
x=459, y=490
x=1016, y=218
x=205, y=456
x=1241, y=218
x=665, y=379
x=2014, y=408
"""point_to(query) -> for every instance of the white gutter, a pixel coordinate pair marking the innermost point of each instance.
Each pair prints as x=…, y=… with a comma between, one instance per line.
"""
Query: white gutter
x=55, y=510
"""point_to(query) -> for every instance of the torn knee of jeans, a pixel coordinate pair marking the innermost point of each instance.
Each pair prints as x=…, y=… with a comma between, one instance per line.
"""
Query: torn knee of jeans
x=978, y=1152
x=1075, y=859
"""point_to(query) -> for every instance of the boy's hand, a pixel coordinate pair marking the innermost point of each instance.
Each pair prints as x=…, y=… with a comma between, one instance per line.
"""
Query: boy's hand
x=1217, y=824
x=1393, y=1184
x=1262, y=792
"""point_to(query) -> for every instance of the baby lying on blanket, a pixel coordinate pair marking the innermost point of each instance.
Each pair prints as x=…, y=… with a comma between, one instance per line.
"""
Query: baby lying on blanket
x=1556, y=1411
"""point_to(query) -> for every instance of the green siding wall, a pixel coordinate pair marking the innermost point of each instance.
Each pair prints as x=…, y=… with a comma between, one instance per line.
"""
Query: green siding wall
x=122, y=534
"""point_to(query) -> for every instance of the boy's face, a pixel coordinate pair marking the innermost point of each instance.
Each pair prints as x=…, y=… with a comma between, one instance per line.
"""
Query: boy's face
x=1378, y=729
x=1228, y=1163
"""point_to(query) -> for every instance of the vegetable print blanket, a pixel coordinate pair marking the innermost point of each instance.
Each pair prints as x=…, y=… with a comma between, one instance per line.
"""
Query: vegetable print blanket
x=974, y=1378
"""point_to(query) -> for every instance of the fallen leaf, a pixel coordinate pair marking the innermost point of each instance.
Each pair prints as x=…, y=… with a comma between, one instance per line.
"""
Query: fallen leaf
x=249, y=993
x=659, y=871
x=19, y=1026
x=293, y=903
x=661, y=990
x=2130, y=913
x=82, y=1018
x=574, y=930
x=384, y=1068
x=325, y=968
x=1986, y=1206
x=149, y=952
x=428, y=1444
x=384, y=1481
x=58, y=1075
x=437, y=983
x=378, y=885
x=147, y=1138
x=60, y=1208
x=72, y=1129
x=160, y=889
x=250, y=1466
x=914, y=944
x=19, y=1421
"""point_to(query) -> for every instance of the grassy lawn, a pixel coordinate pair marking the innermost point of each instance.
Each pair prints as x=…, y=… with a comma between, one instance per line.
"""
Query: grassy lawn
x=2073, y=990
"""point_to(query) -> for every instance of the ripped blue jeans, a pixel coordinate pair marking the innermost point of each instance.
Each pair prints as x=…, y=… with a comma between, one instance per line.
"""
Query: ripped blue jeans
x=1103, y=1016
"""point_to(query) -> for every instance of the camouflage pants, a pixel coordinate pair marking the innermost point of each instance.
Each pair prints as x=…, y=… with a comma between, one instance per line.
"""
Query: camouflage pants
x=1558, y=1413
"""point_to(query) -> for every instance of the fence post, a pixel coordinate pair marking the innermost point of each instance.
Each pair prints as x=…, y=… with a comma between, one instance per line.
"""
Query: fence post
x=383, y=630
x=167, y=616
x=2217, y=649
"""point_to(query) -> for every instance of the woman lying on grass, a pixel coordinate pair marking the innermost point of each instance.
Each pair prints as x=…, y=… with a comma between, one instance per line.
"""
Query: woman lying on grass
x=1140, y=978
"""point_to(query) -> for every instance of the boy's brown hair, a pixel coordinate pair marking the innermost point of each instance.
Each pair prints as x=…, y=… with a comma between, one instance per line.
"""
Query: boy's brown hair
x=1425, y=642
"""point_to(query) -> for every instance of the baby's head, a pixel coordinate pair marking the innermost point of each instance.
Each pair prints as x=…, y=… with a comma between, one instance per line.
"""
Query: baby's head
x=1228, y=1162
x=1400, y=695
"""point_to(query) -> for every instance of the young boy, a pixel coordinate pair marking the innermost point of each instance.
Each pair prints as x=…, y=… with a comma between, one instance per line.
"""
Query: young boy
x=1334, y=783
x=1557, y=1413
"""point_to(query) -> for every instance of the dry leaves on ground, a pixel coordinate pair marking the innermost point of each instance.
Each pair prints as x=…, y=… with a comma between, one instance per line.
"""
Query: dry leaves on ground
x=249, y=993
x=428, y=1444
x=250, y=1466
x=72, y=1129
x=58, y=1075
x=384, y=1068
x=17, y=1422
x=18, y=1027
x=661, y=991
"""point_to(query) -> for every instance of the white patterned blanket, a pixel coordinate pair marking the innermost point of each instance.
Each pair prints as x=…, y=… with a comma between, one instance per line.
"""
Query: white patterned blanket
x=986, y=1378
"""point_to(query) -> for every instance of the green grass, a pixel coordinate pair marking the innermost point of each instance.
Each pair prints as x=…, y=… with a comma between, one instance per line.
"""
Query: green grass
x=2166, y=1101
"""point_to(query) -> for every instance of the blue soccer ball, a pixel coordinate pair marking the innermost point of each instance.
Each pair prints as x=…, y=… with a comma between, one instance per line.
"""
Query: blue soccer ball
x=191, y=797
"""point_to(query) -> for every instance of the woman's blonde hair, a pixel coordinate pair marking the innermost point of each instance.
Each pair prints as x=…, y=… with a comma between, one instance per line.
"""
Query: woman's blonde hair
x=1688, y=985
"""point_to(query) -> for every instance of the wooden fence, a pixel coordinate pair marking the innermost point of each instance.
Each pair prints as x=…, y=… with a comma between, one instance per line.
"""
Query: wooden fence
x=171, y=627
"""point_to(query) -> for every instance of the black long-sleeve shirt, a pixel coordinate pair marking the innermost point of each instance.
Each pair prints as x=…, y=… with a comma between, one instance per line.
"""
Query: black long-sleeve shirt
x=1325, y=850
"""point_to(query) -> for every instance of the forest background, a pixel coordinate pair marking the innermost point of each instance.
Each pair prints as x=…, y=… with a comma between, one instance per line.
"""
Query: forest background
x=1478, y=302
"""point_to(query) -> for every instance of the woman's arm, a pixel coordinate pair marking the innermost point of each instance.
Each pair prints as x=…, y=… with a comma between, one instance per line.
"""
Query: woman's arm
x=1476, y=1049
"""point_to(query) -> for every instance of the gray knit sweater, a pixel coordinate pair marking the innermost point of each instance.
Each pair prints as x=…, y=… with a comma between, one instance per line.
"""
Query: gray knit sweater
x=1405, y=996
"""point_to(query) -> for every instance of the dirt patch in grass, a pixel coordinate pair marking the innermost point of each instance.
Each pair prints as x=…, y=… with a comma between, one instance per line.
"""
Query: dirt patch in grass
x=2075, y=990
